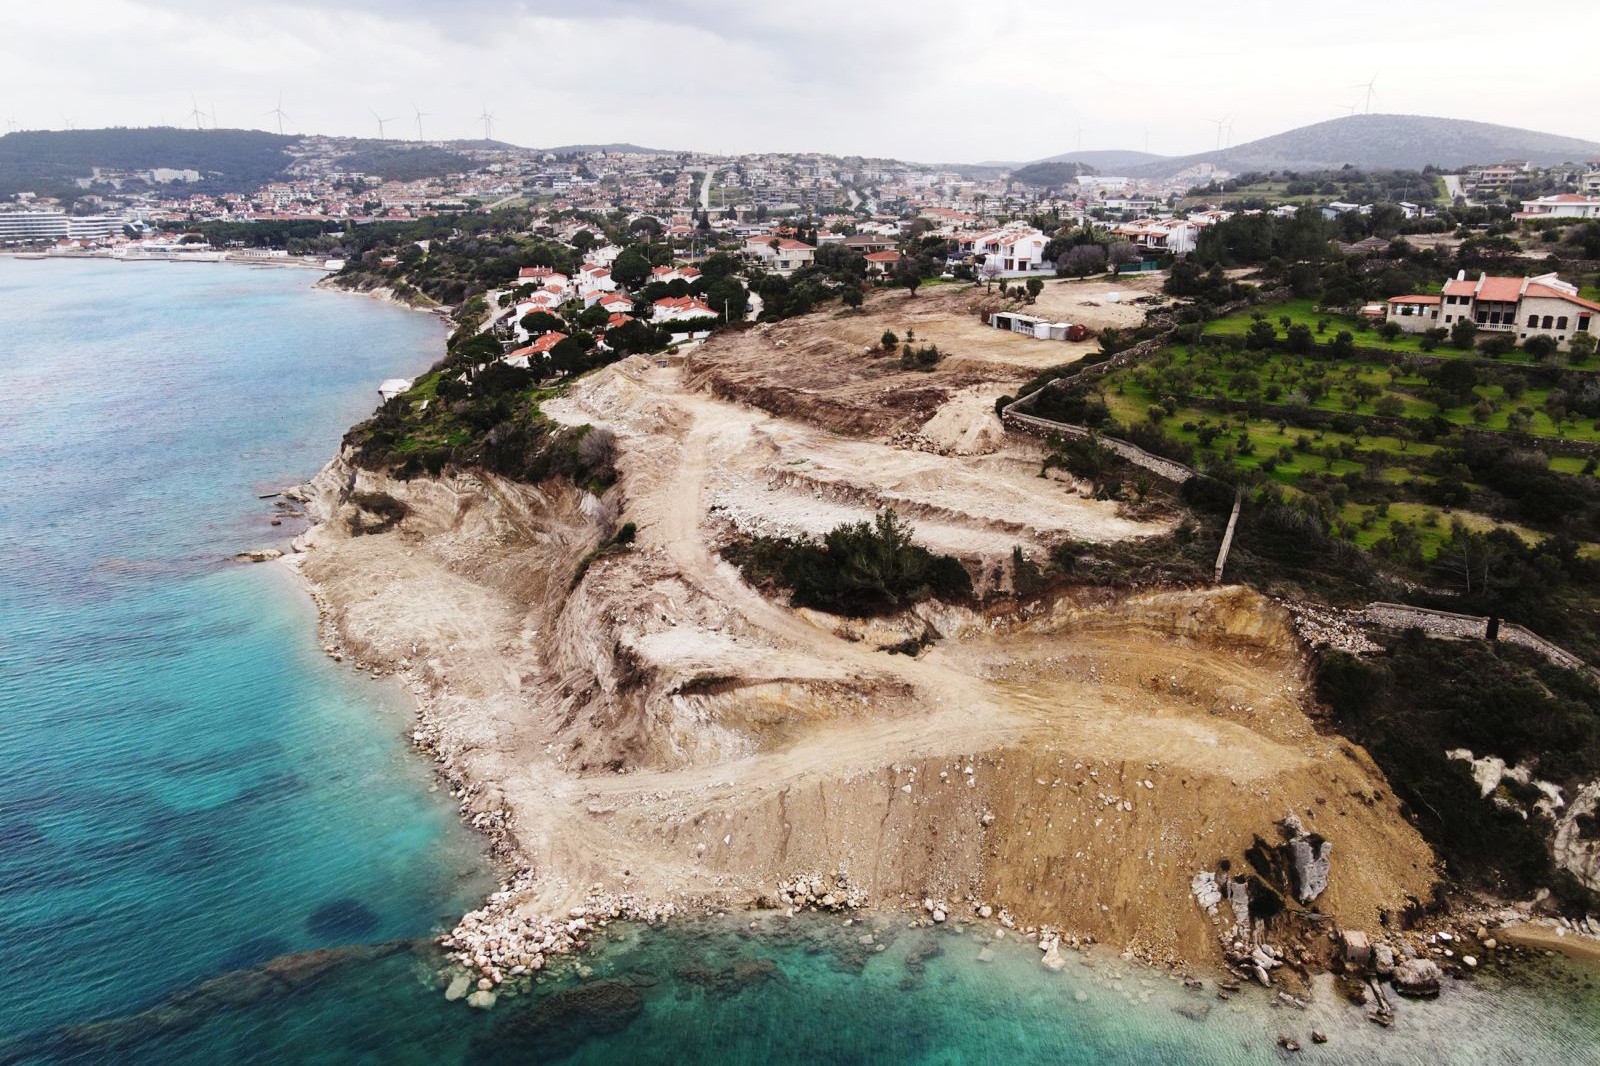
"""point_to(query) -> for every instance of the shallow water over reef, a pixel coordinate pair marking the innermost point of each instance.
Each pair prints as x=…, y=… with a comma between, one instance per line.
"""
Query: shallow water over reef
x=191, y=786
x=814, y=990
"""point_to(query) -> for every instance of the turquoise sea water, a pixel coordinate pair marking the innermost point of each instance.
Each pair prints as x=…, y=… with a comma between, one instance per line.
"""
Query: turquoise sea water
x=196, y=802
x=190, y=786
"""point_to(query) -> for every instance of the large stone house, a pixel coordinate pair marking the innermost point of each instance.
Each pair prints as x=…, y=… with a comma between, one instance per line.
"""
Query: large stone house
x=1543, y=306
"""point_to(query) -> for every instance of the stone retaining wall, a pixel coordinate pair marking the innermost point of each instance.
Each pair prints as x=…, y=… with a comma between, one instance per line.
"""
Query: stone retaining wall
x=1448, y=624
x=1162, y=467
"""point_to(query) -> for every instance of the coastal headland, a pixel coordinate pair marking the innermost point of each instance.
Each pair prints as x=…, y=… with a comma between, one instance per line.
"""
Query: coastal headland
x=642, y=730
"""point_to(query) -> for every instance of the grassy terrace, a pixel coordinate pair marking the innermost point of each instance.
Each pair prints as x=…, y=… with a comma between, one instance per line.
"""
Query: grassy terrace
x=1301, y=421
x=1367, y=339
x=1348, y=386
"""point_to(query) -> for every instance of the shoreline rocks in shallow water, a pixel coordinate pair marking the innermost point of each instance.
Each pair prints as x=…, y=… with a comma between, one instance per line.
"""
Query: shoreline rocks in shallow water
x=1418, y=977
x=497, y=942
x=258, y=555
x=833, y=893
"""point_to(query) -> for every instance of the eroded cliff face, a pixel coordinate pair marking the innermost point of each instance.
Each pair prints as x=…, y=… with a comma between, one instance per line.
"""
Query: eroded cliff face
x=652, y=723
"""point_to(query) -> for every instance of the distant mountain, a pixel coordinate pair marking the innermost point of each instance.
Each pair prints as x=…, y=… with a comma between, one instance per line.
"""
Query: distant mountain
x=1106, y=161
x=1387, y=141
x=579, y=149
x=48, y=161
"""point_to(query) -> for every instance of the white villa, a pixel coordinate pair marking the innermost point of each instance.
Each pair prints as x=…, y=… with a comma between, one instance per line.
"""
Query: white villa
x=1563, y=205
x=782, y=255
x=1014, y=249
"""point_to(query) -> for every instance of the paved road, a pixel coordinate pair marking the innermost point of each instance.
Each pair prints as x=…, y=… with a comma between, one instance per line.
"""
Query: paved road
x=705, y=189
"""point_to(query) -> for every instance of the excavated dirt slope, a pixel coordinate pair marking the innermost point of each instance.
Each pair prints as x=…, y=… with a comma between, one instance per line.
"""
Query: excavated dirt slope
x=660, y=727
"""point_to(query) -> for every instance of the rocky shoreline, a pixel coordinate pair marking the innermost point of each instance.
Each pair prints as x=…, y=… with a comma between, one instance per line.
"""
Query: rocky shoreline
x=501, y=949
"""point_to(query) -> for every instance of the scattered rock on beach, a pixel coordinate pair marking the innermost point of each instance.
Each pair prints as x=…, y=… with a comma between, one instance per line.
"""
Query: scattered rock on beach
x=1417, y=977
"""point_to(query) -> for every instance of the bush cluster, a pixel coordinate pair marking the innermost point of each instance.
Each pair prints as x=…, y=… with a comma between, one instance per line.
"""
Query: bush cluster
x=858, y=569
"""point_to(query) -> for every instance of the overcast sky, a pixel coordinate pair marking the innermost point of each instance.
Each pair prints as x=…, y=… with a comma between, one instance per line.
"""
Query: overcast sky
x=929, y=80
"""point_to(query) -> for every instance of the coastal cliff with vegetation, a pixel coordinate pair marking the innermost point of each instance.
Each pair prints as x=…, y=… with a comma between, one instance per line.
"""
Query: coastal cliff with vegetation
x=788, y=620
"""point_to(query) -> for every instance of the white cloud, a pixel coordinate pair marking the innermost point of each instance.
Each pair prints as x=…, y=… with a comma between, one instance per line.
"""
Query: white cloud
x=921, y=79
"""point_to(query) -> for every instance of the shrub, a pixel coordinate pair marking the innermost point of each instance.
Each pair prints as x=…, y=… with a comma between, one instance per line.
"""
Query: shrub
x=858, y=569
x=597, y=451
x=1539, y=348
x=888, y=340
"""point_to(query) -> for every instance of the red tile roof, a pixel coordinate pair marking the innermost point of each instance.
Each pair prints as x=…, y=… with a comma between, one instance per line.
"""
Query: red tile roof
x=542, y=344
x=684, y=303
x=1548, y=293
x=1414, y=299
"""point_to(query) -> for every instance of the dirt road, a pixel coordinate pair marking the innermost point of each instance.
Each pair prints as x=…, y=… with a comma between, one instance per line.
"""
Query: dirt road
x=661, y=727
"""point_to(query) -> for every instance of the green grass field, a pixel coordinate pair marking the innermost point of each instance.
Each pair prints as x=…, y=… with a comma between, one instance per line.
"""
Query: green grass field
x=1188, y=391
x=1366, y=337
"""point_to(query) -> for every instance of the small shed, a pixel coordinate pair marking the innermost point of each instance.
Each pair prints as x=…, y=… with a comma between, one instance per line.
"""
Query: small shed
x=393, y=387
x=1033, y=326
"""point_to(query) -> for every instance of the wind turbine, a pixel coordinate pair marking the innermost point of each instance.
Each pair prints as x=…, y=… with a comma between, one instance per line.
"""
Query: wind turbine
x=1219, y=123
x=214, y=124
x=279, y=112
x=194, y=111
x=1371, y=92
x=1229, y=142
x=11, y=123
x=1080, y=136
x=487, y=118
x=382, y=122
x=421, y=114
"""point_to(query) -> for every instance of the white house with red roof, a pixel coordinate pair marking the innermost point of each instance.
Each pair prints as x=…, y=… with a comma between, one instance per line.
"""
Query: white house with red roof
x=1014, y=249
x=534, y=352
x=1562, y=205
x=595, y=282
x=543, y=277
x=677, y=308
x=1173, y=236
x=1414, y=314
x=1543, y=306
x=882, y=262
x=680, y=309
x=616, y=302
x=781, y=255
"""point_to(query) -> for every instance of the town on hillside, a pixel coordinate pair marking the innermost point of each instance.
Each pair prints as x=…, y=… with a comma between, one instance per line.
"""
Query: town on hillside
x=652, y=249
